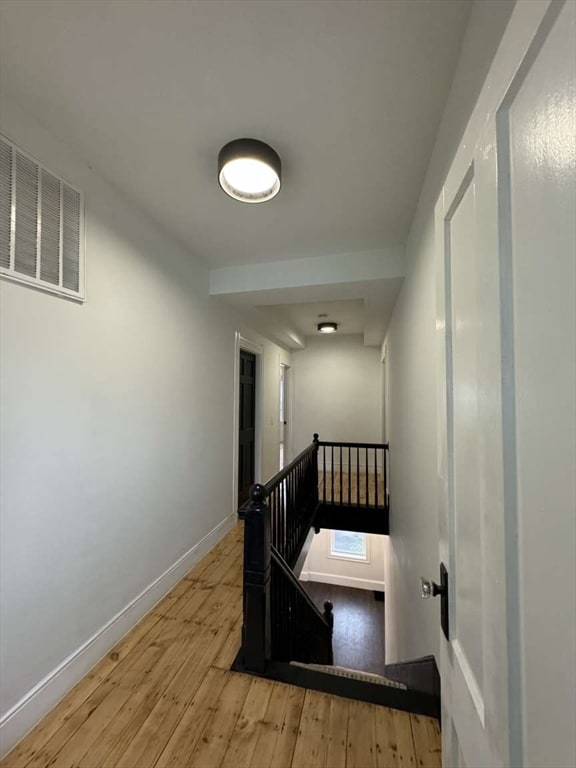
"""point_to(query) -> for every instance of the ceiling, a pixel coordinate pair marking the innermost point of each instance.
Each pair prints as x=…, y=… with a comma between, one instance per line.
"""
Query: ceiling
x=349, y=93
x=304, y=318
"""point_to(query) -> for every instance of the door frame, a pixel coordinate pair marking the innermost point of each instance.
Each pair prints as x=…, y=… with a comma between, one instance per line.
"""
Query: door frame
x=384, y=385
x=242, y=342
x=286, y=371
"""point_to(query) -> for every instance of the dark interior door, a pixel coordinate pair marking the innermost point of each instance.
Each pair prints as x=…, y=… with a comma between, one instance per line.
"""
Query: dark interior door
x=246, y=452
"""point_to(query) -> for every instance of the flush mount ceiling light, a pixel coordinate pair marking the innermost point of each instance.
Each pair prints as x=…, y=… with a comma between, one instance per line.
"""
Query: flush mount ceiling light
x=249, y=171
x=327, y=327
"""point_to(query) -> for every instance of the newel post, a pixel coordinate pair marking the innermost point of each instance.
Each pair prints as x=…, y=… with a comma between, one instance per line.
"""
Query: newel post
x=256, y=630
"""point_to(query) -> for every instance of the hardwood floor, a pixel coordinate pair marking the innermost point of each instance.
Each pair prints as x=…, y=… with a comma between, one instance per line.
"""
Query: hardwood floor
x=165, y=697
x=358, y=639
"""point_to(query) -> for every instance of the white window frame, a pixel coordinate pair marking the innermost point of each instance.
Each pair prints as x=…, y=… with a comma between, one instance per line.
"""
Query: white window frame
x=335, y=555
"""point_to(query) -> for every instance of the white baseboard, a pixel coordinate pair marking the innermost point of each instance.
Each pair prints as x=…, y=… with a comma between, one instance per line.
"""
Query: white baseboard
x=44, y=696
x=342, y=581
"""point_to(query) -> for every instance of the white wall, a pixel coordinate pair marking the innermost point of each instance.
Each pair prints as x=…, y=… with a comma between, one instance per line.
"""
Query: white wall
x=319, y=566
x=412, y=624
x=412, y=547
x=117, y=424
x=337, y=391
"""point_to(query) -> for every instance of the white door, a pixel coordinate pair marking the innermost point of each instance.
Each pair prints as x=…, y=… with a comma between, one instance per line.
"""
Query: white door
x=506, y=404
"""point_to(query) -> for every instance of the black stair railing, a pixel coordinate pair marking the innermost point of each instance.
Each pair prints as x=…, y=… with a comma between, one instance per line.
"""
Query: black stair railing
x=333, y=485
x=353, y=474
x=292, y=498
x=281, y=623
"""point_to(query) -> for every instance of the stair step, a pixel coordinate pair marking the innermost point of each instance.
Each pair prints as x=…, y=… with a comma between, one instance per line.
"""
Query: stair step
x=419, y=674
x=351, y=674
x=352, y=684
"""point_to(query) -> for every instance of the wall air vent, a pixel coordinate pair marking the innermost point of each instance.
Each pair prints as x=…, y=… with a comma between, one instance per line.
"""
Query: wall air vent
x=41, y=226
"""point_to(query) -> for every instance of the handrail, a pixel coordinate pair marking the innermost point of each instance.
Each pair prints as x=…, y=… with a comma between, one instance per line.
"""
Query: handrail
x=280, y=476
x=292, y=497
x=340, y=444
x=291, y=577
x=283, y=473
x=299, y=630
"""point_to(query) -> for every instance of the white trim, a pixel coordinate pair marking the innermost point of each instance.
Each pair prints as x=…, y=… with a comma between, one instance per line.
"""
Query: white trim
x=44, y=696
x=249, y=345
x=471, y=682
x=33, y=282
x=241, y=342
x=342, y=581
x=288, y=411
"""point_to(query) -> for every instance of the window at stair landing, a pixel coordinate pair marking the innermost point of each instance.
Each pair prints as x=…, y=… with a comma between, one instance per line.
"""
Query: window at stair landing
x=349, y=545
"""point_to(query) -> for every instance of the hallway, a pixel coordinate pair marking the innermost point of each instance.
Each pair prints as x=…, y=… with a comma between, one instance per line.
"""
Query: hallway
x=164, y=696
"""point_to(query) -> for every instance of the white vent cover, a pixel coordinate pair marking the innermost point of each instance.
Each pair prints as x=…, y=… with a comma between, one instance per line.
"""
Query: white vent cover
x=41, y=225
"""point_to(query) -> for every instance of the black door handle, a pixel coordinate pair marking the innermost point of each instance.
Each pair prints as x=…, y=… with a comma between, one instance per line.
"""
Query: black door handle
x=431, y=589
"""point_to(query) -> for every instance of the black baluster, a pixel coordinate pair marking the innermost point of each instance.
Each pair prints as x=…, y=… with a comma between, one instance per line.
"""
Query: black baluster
x=376, y=474
x=367, y=480
x=332, y=474
x=358, y=476
x=329, y=618
x=349, y=475
x=340, y=497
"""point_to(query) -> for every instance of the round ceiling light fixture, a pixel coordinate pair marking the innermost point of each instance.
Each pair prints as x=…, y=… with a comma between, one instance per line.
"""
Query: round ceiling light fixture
x=327, y=327
x=249, y=170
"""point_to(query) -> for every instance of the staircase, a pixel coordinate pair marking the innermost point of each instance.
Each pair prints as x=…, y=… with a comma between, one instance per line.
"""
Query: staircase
x=284, y=635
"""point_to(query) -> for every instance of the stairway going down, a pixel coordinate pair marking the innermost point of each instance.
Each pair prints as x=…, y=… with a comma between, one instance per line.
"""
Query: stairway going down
x=285, y=636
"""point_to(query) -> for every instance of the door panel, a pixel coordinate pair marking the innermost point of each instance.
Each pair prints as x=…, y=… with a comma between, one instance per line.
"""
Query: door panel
x=506, y=405
x=467, y=532
x=469, y=357
x=247, y=425
x=463, y=405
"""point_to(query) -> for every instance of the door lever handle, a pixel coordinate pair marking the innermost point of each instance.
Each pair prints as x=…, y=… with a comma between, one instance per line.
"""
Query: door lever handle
x=430, y=588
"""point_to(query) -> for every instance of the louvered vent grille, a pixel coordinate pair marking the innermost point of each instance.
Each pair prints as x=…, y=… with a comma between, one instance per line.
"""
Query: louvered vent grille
x=5, y=203
x=41, y=225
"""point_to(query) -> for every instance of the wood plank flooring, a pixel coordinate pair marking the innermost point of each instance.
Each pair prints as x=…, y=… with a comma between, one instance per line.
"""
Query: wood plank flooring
x=165, y=697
